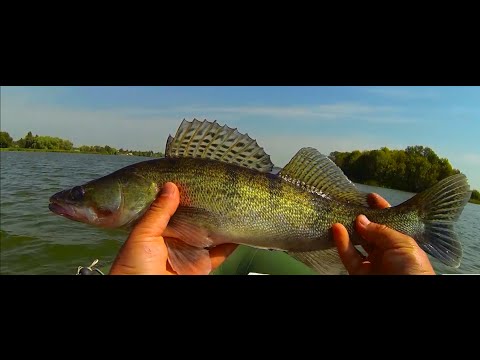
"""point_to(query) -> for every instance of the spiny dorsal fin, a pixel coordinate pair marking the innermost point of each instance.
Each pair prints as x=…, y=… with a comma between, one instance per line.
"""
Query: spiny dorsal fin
x=317, y=173
x=209, y=140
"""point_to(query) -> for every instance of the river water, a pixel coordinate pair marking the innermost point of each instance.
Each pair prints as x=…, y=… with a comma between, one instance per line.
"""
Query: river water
x=35, y=241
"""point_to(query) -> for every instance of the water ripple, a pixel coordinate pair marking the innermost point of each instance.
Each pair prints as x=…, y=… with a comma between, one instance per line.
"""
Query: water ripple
x=34, y=241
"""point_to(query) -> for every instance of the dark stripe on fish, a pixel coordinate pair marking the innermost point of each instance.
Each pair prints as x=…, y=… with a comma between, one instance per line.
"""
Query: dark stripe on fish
x=274, y=187
x=232, y=178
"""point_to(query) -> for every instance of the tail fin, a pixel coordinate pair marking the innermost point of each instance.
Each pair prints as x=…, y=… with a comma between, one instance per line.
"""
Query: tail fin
x=440, y=207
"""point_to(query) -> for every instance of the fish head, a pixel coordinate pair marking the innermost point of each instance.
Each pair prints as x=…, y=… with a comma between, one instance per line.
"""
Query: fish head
x=109, y=202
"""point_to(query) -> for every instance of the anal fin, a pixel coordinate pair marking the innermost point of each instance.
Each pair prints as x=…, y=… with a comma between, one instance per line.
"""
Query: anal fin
x=186, y=259
x=324, y=262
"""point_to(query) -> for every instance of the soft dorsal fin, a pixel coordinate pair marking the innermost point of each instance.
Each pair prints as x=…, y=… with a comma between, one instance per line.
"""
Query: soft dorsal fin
x=317, y=173
x=209, y=140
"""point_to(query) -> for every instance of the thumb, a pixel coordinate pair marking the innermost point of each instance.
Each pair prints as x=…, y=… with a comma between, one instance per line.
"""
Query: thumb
x=156, y=218
x=379, y=235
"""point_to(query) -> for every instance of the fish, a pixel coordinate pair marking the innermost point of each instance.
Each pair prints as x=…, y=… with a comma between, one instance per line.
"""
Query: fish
x=230, y=192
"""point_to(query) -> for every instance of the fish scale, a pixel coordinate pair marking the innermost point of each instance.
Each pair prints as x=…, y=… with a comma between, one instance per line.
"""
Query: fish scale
x=229, y=194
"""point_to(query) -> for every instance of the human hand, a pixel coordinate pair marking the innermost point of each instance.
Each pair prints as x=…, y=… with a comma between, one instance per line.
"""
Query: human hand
x=145, y=252
x=389, y=252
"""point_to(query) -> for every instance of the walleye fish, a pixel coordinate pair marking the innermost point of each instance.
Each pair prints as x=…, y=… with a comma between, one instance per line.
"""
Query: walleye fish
x=229, y=194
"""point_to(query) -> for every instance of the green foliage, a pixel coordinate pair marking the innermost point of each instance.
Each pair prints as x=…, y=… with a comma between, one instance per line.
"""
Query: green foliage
x=475, y=197
x=43, y=143
x=5, y=140
x=414, y=169
x=112, y=151
x=107, y=150
x=49, y=143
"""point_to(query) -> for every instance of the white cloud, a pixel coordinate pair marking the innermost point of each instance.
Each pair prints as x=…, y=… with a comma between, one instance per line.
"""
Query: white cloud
x=473, y=159
x=403, y=93
x=87, y=127
x=326, y=112
x=148, y=128
x=467, y=163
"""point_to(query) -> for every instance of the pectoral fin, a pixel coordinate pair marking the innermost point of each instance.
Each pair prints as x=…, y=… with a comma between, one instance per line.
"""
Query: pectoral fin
x=186, y=259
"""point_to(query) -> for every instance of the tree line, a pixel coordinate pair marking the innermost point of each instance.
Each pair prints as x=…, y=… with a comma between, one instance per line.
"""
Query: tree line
x=475, y=197
x=30, y=141
x=35, y=142
x=414, y=169
x=112, y=151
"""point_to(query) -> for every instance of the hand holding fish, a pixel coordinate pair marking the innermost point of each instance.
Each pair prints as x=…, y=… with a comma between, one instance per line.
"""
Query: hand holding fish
x=389, y=252
x=145, y=252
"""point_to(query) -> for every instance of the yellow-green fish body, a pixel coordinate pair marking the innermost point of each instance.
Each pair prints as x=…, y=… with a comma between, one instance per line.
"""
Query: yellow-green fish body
x=228, y=194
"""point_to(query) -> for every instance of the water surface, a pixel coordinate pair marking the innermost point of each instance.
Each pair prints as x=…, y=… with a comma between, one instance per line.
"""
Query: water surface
x=35, y=241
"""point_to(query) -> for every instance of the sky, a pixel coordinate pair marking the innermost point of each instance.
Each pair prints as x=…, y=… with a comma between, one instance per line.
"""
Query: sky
x=281, y=119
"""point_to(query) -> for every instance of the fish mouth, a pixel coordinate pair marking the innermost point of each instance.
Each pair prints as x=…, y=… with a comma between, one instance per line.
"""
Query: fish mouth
x=59, y=206
x=62, y=210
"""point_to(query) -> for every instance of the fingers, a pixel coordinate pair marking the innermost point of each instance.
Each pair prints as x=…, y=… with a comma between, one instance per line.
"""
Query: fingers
x=377, y=202
x=381, y=236
x=156, y=219
x=141, y=258
x=350, y=257
x=219, y=253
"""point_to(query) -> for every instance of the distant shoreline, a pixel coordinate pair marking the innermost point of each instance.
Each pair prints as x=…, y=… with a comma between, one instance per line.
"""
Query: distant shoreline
x=67, y=151
x=472, y=201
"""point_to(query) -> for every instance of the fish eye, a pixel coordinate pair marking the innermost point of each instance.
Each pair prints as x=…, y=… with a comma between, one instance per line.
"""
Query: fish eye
x=77, y=193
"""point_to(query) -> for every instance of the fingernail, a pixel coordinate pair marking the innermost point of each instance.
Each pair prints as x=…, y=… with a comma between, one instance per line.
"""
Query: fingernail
x=363, y=221
x=167, y=190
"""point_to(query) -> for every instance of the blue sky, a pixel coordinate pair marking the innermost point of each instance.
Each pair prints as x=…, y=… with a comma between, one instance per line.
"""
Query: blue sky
x=282, y=119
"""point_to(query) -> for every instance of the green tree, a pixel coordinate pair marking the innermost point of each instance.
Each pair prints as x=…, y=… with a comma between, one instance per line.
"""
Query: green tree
x=475, y=195
x=29, y=140
x=6, y=140
x=414, y=169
